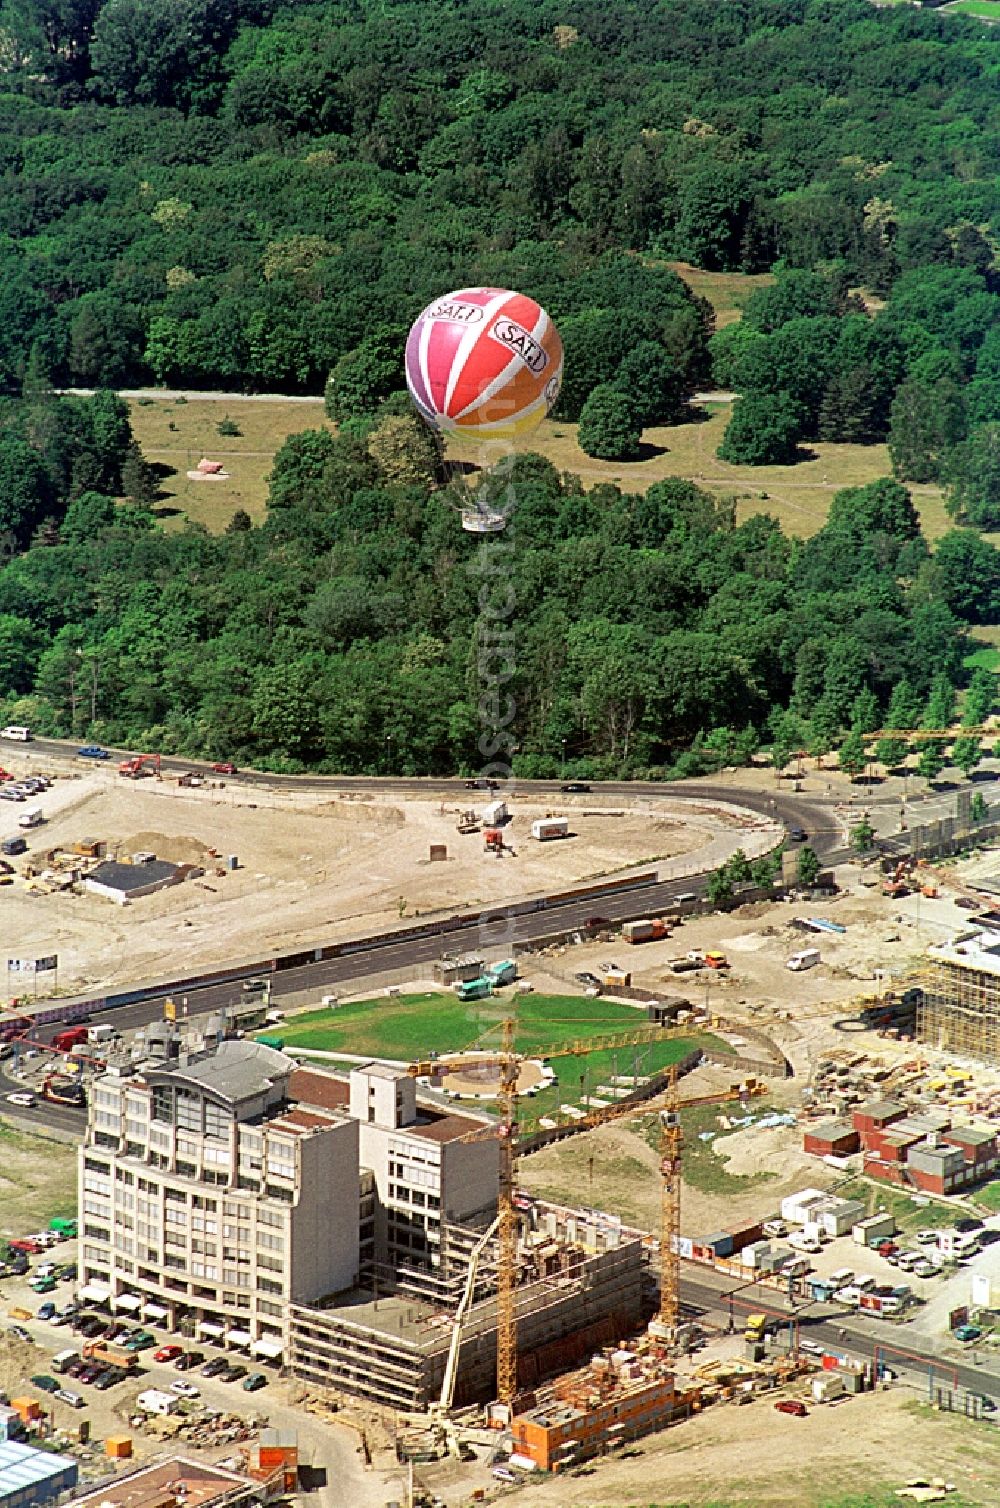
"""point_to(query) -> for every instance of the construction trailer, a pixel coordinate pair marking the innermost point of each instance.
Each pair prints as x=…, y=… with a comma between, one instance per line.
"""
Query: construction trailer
x=545, y=829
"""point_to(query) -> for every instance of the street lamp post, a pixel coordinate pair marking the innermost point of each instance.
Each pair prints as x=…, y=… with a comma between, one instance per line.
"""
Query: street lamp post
x=563, y=766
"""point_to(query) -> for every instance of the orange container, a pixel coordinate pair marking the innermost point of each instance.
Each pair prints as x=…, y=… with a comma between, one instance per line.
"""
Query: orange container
x=119, y=1447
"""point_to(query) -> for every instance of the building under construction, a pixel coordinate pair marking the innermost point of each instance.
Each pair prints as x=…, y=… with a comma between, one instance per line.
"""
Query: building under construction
x=960, y=1009
x=578, y=1288
x=620, y=1396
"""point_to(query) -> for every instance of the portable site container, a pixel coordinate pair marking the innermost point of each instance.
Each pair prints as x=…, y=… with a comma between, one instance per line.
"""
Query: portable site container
x=547, y=828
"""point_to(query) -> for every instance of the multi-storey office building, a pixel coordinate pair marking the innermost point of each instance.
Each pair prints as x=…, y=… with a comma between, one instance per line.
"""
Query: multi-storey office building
x=219, y=1186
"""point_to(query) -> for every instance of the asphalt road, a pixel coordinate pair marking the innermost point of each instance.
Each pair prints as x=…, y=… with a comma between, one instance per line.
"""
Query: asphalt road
x=824, y=832
x=823, y=1324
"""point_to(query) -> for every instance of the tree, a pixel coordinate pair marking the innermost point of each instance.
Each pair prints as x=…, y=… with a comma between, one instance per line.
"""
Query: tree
x=905, y=708
x=609, y=428
x=966, y=572
x=738, y=868
x=966, y=754
x=405, y=451
x=980, y=698
x=138, y=478
x=363, y=378
x=652, y=382
x=931, y=760
x=865, y=717
x=851, y=755
x=891, y=752
x=940, y=709
x=973, y=476
x=862, y=836
x=763, y=431
x=719, y=890
x=808, y=866
x=240, y=523
x=978, y=809
x=927, y=421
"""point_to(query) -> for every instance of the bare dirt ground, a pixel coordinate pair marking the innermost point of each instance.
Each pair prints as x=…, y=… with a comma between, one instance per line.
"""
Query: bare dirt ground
x=310, y=866
x=755, y=1456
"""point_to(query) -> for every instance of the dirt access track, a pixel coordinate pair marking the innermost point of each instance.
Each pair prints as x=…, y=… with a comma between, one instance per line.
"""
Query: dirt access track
x=317, y=867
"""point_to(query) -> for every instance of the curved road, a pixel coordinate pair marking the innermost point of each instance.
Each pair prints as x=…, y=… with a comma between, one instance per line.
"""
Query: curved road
x=505, y=932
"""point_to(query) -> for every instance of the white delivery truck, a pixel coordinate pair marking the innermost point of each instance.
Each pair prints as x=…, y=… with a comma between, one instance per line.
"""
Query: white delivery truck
x=31, y=817
x=807, y=959
x=155, y=1401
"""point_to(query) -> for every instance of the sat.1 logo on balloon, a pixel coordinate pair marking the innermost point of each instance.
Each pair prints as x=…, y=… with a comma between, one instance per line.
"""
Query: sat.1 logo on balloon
x=484, y=362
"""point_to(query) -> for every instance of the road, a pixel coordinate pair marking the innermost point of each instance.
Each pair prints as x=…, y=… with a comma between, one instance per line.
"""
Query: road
x=823, y=1323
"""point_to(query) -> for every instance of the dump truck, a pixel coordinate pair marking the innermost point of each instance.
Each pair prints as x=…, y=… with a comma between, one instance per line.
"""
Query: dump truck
x=647, y=930
x=111, y=1352
x=716, y=961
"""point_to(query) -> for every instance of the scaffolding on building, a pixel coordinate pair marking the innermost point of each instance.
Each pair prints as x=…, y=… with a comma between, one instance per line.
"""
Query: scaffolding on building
x=960, y=1009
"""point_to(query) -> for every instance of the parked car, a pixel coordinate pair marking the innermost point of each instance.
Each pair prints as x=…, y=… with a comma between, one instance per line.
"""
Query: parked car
x=185, y=1389
x=46, y=1311
x=140, y=1342
x=215, y=1367
x=792, y=1406
x=46, y=1383
x=19, y=1331
x=591, y=980
x=110, y=1379
x=41, y=1285
x=224, y=767
x=926, y=1236
x=923, y=1270
x=966, y=903
x=93, y=751
x=189, y=1359
x=75, y=1400
x=811, y=1347
x=968, y=1222
x=234, y=1373
x=968, y=1332
x=254, y=1382
x=168, y=1353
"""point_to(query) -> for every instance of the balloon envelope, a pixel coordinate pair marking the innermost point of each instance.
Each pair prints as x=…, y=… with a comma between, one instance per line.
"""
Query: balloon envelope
x=484, y=361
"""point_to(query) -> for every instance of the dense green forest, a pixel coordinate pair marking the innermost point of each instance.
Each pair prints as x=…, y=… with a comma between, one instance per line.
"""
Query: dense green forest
x=242, y=194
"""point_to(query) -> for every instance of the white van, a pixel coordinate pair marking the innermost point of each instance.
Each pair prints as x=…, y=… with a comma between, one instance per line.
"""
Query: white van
x=21, y=735
x=807, y=959
x=31, y=817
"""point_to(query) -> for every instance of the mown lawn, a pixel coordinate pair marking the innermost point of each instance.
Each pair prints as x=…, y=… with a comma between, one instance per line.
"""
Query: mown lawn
x=410, y=1027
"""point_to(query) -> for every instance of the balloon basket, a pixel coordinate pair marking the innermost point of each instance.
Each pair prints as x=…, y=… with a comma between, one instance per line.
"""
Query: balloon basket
x=475, y=521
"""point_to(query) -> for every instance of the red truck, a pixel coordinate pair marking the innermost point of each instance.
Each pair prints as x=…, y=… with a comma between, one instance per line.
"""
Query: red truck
x=73, y=1036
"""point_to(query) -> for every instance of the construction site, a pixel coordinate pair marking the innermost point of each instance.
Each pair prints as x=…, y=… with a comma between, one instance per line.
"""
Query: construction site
x=214, y=864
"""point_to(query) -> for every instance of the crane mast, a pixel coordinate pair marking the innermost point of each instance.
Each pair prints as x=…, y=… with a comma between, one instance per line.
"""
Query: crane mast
x=507, y=1265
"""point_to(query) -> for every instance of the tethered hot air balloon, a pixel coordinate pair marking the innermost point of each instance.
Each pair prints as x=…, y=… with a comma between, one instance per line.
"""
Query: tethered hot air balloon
x=486, y=363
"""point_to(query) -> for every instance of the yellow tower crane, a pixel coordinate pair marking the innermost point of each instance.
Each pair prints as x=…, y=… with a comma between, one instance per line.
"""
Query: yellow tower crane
x=505, y=1132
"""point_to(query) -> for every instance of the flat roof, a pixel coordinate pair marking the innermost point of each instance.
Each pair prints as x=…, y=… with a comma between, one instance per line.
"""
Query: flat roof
x=877, y=1109
x=971, y=1136
x=201, y=1482
x=22, y=1466
x=126, y=877
x=977, y=949
x=313, y=1087
x=443, y=1126
x=831, y=1130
